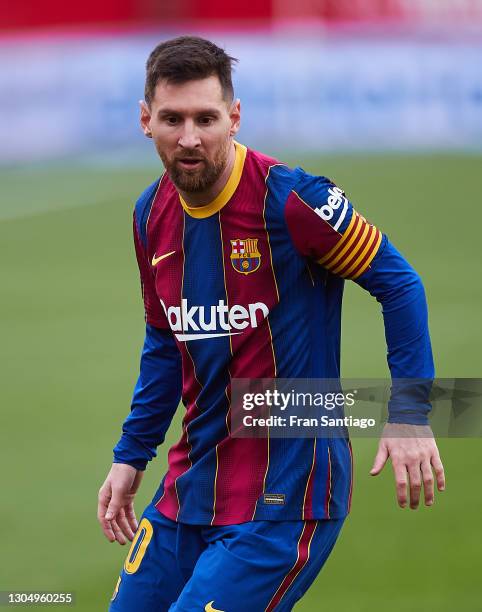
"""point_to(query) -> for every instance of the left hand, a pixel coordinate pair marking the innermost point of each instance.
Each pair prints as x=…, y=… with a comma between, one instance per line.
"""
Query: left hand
x=413, y=452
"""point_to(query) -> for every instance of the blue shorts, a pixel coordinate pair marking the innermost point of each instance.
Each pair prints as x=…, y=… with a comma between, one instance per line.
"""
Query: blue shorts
x=258, y=565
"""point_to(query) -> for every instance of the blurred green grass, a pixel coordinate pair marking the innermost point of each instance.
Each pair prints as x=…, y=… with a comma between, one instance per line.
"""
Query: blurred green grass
x=71, y=332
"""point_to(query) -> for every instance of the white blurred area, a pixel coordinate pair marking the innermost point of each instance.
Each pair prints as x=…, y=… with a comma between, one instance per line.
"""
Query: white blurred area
x=317, y=76
x=415, y=11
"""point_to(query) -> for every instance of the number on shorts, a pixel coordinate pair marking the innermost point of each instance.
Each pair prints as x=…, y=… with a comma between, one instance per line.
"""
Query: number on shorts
x=138, y=547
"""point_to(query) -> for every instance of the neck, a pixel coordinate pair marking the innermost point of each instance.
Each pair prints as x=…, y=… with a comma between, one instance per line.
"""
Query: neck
x=204, y=197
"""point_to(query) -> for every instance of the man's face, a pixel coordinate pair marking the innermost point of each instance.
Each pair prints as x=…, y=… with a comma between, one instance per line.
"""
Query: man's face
x=192, y=126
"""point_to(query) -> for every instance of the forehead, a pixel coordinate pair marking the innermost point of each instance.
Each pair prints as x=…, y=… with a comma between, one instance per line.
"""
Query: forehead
x=190, y=96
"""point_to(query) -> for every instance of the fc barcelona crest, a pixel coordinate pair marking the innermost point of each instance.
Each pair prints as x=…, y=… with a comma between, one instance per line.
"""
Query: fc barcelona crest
x=245, y=256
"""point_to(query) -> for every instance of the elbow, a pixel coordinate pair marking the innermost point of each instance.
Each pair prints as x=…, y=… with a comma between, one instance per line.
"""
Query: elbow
x=407, y=291
x=418, y=288
x=415, y=284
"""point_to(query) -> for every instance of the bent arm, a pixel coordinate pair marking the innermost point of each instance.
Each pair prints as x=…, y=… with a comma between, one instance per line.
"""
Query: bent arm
x=399, y=290
x=325, y=227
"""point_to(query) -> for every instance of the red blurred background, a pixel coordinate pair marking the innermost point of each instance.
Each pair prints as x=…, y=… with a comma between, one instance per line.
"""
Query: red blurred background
x=15, y=16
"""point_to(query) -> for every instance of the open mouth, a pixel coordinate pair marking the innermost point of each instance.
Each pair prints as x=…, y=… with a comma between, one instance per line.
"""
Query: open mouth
x=190, y=163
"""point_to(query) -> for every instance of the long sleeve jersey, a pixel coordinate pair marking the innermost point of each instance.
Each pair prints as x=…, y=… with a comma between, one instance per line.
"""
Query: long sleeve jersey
x=250, y=286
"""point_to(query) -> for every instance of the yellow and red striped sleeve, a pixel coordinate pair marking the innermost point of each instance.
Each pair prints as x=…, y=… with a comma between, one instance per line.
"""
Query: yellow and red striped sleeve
x=325, y=227
x=355, y=250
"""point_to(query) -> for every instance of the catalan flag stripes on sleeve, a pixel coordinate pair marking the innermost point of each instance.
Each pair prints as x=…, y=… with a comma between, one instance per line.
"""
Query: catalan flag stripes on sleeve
x=355, y=249
x=325, y=227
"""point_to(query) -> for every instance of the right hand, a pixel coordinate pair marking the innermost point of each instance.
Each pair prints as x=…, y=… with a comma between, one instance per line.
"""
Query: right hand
x=115, y=510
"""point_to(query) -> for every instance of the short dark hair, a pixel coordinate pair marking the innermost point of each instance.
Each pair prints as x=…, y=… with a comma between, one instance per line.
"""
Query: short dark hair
x=188, y=58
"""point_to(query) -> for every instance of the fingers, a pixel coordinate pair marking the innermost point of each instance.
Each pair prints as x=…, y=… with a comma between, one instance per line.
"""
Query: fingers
x=428, y=482
x=117, y=523
x=119, y=536
x=107, y=529
x=131, y=517
x=380, y=459
x=415, y=484
x=420, y=474
x=414, y=453
x=400, y=473
x=117, y=528
x=115, y=505
x=439, y=471
x=124, y=525
x=101, y=511
x=113, y=520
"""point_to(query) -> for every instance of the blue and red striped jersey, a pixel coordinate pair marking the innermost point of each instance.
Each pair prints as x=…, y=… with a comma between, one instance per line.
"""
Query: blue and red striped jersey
x=250, y=286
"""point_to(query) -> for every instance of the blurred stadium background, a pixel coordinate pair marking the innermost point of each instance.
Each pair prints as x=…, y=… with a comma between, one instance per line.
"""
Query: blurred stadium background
x=385, y=97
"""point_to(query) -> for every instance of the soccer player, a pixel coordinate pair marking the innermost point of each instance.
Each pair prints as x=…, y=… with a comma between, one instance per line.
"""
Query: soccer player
x=242, y=262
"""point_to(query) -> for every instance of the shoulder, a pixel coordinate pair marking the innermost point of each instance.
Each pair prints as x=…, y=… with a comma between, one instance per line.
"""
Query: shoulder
x=324, y=197
x=260, y=159
x=313, y=186
x=278, y=176
x=267, y=165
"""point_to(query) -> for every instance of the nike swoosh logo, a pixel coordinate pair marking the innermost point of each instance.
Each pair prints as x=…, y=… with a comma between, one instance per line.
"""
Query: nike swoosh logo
x=209, y=607
x=156, y=260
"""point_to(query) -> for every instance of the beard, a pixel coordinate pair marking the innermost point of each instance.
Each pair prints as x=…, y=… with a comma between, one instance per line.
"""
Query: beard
x=199, y=179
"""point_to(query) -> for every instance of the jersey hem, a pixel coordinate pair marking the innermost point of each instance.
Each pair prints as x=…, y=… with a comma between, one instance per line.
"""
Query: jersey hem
x=220, y=521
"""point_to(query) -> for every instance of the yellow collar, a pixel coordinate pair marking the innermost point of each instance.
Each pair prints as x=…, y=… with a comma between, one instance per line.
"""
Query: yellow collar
x=201, y=212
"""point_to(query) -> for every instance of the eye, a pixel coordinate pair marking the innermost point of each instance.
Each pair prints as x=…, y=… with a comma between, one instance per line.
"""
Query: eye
x=207, y=120
x=172, y=120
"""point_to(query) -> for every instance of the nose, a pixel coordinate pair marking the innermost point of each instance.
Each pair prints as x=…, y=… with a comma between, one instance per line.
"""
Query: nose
x=189, y=138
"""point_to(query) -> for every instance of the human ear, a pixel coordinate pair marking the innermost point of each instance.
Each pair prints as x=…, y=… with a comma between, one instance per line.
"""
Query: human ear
x=145, y=118
x=235, y=116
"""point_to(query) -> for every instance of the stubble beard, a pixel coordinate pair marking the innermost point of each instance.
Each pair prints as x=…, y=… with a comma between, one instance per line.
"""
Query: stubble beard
x=199, y=180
